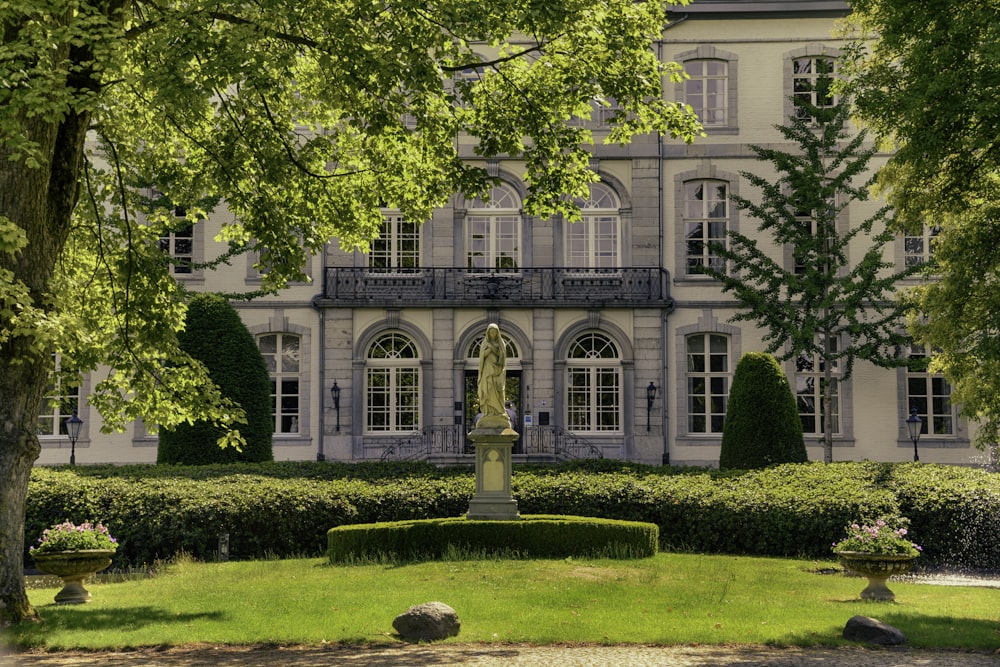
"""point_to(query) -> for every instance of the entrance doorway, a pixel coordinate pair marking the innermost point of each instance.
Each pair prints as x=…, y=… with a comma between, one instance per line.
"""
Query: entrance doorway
x=471, y=411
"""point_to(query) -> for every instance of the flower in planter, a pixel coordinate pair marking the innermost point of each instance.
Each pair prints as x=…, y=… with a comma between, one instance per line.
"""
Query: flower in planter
x=879, y=538
x=67, y=536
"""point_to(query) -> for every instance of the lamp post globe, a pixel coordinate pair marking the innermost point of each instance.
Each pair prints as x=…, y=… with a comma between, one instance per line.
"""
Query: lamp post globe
x=913, y=426
x=73, y=425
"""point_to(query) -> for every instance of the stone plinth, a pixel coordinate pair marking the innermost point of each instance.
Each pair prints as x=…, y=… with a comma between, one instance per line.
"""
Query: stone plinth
x=493, y=499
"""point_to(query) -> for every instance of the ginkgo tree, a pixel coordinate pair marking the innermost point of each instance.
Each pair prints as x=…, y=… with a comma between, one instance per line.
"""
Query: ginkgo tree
x=121, y=121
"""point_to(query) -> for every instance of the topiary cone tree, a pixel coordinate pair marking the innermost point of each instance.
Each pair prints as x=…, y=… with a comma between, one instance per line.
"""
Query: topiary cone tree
x=762, y=422
x=216, y=336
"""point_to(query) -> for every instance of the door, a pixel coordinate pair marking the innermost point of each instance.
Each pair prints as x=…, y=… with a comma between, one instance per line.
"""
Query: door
x=471, y=411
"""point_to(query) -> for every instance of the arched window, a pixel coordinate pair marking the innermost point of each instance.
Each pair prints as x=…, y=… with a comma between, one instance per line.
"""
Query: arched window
x=493, y=230
x=392, y=385
x=593, y=242
x=707, y=381
x=593, y=385
x=282, y=353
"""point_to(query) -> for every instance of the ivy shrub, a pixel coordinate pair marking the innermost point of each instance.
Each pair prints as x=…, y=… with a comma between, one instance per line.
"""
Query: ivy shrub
x=215, y=335
x=286, y=509
x=536, y=536
x=762, y=425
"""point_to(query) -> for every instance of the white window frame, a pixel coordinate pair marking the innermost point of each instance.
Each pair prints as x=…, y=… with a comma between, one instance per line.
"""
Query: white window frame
x=393, y=405
x=57, y=406
x=808, y=383
x=594, y=385
x=284, y=367
x=493, y=231
x=700, y=214
x=933, y=404
x=595, y=241
x=919, y=249
x=398, y=245
x=704, y=370
x=708, y=91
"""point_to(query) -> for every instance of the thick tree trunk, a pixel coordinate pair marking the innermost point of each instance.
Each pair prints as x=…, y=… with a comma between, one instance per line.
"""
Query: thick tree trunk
x=18, y=451
x=40, y=201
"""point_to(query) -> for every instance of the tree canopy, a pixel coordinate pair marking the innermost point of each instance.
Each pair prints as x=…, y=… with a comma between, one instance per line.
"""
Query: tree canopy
x=306, y=117
x=926, y=78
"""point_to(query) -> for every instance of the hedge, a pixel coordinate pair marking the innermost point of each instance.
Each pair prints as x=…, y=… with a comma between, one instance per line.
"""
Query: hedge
x=285, y=509
x=536, y=536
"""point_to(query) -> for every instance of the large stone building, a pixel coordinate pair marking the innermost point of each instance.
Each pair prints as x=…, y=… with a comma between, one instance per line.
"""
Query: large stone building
x=616, y=346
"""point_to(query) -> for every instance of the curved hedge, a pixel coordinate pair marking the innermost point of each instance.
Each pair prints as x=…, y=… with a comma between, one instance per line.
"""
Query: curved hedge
x=285, y=509
x=534, y=536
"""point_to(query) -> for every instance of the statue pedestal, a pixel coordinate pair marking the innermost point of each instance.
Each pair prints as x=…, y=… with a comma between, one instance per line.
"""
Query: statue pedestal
x=493, y=499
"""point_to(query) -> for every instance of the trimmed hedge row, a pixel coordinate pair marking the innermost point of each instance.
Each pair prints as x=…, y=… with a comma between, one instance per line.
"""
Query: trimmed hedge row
x=534, y=536
x=286, y=509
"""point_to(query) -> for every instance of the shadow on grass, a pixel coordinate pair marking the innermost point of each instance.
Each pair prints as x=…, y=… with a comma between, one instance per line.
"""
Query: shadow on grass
x=922, y=632
x=87, y=617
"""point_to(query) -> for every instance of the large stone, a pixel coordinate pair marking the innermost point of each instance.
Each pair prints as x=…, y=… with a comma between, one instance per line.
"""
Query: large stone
x=427, y=622
x=873, y=631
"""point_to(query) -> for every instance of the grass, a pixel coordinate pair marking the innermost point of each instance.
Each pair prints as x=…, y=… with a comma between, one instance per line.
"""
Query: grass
x=667, y=599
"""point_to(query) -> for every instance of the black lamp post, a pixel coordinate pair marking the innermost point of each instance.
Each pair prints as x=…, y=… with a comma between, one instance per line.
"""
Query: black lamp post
x=650, y=396
x=335, y=393
x=913, y=425
x=73, y=425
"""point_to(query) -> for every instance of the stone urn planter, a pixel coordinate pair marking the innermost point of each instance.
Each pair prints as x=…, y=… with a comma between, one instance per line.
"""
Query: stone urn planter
x=73, y=567
x=878, y=568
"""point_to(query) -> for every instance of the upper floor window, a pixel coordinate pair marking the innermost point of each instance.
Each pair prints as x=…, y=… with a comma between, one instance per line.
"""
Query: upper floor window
x=397, y=246
x=707, y=90
x=179, y=246
x=593, y=385
x=813, y=223
x=706, y=214
x=593, y=242
x=919, y=248
x=61, y=402
x=810, y=383
x=707, y=381
x=493, y=230
x=812, y=83
x=282, y=354
x=930, y=395
x=392, y=385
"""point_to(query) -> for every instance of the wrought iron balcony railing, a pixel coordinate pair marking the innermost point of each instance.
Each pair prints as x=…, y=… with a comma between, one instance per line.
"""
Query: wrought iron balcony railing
x=630, y=286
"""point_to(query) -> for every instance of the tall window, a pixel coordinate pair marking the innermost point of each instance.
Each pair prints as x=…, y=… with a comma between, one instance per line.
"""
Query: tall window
x=61, y=402
x=707, y=381
x=706, y=212
x=593, y=243
x=812, y=78
x=179, y=246
x=930, y=395
x=493, y=231
x=398, y=244
x=392, y=390
x=281, y=352
x=810, y=382
x=812, y=222
x=593, y=386
x=919, y=248
x=706, y=90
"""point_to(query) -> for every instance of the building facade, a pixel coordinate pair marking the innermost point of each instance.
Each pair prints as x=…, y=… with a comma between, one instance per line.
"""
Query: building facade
x=617, y=346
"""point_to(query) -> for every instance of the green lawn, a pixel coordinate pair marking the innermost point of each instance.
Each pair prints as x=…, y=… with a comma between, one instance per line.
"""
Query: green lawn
x=668, y=599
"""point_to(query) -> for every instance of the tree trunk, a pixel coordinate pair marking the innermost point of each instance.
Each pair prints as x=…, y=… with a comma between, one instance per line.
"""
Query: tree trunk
x=40, y=201
x=18, y=451
x=827, y=398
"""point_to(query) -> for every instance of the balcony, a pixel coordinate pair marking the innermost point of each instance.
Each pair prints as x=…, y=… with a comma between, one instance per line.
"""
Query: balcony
x=551, y=287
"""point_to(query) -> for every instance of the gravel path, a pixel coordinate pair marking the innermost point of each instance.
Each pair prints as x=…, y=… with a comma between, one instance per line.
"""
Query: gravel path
x=491, y=655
